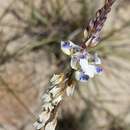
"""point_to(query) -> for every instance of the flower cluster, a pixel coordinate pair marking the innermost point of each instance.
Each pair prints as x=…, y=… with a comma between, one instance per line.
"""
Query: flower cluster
x=84, y=64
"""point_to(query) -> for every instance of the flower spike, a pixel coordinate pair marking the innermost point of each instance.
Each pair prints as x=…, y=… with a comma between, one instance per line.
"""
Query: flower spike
x=83, y=66
x=96, y=24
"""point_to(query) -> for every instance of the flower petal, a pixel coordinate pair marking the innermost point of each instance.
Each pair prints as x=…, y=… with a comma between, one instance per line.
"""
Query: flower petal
x=69, y=47
x=76, y=58
x=74, y=62
x=98, y=69
x=66, y=47
x=81, y=76
x=90, y=70
x=83, y=63
x=86, y=68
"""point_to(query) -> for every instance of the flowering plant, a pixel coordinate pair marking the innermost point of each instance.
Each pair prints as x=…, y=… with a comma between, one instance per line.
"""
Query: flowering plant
x=83, y=67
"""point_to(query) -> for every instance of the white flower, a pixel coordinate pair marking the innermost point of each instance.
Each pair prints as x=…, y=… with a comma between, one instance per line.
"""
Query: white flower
x=80, y=76
x=69, y=47
x=86, y=68
x=76, y=58
x=81, y=61
x=89, y=69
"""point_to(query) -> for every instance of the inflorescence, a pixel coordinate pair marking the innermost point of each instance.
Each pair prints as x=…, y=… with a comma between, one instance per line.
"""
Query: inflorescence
x=83, y=67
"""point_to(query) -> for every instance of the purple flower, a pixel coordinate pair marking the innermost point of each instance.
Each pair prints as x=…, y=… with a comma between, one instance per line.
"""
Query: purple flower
x=82, y=62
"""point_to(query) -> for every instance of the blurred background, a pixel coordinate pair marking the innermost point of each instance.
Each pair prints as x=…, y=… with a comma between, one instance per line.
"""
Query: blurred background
x=30, y=35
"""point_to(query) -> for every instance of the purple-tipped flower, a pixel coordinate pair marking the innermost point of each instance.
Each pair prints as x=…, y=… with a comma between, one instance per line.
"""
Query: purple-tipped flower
x=83, y=63
x=69, y=47
x=81, y=76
